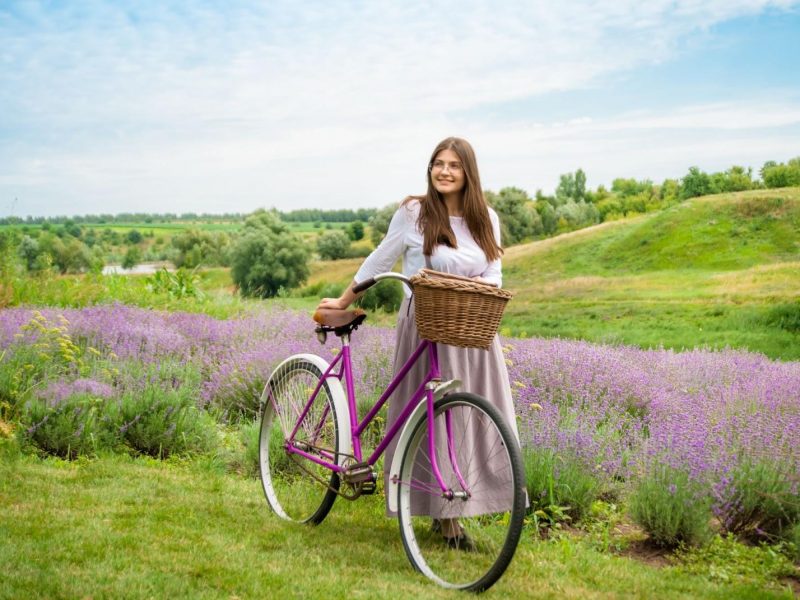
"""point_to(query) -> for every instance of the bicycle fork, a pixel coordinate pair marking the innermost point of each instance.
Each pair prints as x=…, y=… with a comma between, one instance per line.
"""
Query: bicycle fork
x=433, y=389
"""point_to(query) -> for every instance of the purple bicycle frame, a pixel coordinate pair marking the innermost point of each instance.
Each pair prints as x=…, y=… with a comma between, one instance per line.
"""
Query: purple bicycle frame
x=343, y=360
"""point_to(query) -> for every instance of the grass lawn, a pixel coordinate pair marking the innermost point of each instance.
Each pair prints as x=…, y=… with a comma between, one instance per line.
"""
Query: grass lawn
x=712, y=272
x=118, y=527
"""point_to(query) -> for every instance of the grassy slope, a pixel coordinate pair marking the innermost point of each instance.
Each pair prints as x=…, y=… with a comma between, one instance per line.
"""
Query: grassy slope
x=706, y=272
x=124, y=528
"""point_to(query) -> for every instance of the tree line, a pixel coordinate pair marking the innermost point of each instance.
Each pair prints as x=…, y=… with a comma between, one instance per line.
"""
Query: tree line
x=573, y=206
x=265, y=256
x=301, y=215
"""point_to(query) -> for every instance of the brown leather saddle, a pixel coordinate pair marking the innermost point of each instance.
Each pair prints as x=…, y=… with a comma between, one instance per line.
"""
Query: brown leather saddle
x=338, y=321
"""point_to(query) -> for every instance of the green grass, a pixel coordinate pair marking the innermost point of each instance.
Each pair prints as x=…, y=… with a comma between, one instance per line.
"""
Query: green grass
x=707, y=273
x=136, y=528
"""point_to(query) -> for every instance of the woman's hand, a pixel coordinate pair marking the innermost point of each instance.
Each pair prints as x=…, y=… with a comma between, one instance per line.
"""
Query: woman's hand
x=335, y=303
x=342, y=302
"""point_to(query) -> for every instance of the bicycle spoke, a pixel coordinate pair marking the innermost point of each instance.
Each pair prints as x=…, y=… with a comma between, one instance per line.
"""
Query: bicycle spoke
x=488, y=459
x=296, y=488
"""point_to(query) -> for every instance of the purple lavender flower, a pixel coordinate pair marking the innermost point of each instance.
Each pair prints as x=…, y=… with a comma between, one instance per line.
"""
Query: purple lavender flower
x=58, y=391
x=618, y=410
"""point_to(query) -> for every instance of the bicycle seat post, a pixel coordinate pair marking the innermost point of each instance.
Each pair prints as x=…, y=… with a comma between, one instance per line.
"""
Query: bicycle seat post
x=350, y=389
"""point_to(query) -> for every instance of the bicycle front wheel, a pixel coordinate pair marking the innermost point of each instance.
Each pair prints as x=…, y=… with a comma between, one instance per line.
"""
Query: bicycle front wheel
x=296, y=488
x=480, y=461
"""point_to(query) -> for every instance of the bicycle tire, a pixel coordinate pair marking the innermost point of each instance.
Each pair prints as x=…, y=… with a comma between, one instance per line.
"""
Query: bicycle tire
x=492, y=516
x=291, y=492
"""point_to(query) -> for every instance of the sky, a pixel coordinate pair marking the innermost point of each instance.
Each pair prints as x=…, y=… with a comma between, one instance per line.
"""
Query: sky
x=229, y=106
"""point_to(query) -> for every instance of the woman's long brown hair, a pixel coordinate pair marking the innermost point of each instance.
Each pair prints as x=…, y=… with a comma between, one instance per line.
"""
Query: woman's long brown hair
x=434, y=220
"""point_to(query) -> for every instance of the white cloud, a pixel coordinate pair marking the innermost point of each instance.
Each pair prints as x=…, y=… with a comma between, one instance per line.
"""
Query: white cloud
x=121, y=105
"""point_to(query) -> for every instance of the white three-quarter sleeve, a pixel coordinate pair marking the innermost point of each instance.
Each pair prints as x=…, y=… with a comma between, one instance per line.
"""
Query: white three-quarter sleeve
x=383, y=258
x=494, y=273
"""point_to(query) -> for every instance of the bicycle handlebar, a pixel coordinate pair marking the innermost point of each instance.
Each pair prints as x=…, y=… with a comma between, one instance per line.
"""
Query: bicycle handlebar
x=368, y=283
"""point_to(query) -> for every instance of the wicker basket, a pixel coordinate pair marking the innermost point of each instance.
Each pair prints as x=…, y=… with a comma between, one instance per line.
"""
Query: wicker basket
x=456, y=310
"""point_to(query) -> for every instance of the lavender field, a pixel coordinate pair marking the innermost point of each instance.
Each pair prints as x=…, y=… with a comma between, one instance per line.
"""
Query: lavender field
x=685, y=438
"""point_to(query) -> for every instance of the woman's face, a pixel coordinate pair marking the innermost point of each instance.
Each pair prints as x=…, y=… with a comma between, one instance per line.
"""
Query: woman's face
x=447, y=173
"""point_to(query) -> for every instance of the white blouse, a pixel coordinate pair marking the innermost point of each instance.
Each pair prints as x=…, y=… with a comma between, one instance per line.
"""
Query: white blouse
x=404, y=239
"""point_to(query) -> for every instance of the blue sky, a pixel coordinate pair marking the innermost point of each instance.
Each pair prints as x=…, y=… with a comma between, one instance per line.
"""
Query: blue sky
x=231, y=106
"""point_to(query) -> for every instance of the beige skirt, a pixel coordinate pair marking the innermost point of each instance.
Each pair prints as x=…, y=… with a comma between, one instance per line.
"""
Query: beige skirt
x=481, y=372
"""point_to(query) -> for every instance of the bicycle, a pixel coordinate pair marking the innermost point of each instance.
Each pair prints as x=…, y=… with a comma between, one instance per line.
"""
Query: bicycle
x=310, y=452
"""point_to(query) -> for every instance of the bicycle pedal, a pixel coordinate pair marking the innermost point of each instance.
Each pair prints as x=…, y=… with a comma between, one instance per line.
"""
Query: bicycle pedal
x=368, y=487
x=358, y=473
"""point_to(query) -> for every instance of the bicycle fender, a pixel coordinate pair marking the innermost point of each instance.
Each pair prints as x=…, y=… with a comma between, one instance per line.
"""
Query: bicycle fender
x=419, y=413
x=338, y=397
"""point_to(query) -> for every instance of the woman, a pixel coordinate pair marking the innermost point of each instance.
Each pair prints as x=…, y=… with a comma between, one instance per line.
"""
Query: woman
x=450, y=229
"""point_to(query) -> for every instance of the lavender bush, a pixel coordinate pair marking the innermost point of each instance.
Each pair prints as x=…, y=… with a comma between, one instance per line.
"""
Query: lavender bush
x=70, y=427
x=758, y=500
x=612, y=412
x=557, y=484
x=671, y=507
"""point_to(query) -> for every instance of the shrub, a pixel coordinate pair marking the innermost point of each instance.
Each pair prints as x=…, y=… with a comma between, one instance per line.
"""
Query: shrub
x=668, y=505
x=333, y=245
x=268, y=257
x=355, y=231
x=71, y=428
x=758, y=500
x=161, y=423
x=781, y=175
x=194, y=247
x=379, y=223
x=387, y=295
x=558, y=486
x=239, y=395
x=133, y=256
x=156, y=412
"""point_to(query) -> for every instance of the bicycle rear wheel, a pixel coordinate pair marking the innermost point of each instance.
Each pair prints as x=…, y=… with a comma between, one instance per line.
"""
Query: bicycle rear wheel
x=481, y=447
x=296, y=488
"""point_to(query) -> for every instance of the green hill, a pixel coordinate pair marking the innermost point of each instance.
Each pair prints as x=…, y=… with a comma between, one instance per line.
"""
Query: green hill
x=714, y=271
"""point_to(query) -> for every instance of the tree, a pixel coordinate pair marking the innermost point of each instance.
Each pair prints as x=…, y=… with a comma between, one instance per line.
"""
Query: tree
x=574, y=215
x=134, y=236
x=379, y=222
x=356, y=230
x=267, y=257
x=695, y=183
x=28, y=250
x=518, y=217
x=132, y=257
x=738, y=179
x=571, y=187
x=548, y=215
x=630, y=187
x=781, y=175
x=196, y=247
x=388, y=296
x=333, y=245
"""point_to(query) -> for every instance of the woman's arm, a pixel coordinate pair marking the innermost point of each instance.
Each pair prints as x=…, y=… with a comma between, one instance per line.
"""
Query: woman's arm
x=381, y=259
x=494, y=271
